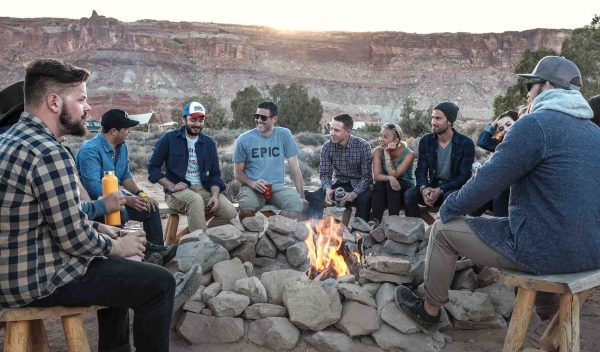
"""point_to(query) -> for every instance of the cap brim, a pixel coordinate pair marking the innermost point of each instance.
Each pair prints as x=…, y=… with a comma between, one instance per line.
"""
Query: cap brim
x=197, y=114
x=526, y=75
x=132, y=123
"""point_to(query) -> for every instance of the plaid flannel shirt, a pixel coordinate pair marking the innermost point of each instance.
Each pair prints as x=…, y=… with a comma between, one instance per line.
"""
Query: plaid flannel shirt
x=45, y=239
x=352, y=163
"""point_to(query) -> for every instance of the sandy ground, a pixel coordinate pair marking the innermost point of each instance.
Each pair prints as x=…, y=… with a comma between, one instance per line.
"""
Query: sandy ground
x=463, y=340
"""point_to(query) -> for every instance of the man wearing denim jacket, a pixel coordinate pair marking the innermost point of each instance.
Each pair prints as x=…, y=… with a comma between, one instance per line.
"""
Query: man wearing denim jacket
x=444, y=161
x=552, y=224
x=192, y=182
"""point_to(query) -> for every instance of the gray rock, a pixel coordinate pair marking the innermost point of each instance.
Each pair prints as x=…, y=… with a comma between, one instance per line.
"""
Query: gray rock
x=207, y=312
x=356, y=293
x=367, y=239
x=265, y=248
x=249, y=268
x=251, y=287
x=346, y=279
x=358, y=319
x=275, y=333
x=211, y=291
x=275, y=281
x=376, y=276
x=279, y=263
x=378, y=234
x=205, y=253
x=465, y=280
x=417, y=270
x=238, y=225
x=246, y=252
x=228, y=304
x=371, y=287
x=330, y=341
x=389, y=338
x=201, y=329
x=397, y=319
x=393, y=247
x=403, y=229
x=466, y=305
x=297, y=254
x=301, y=232
x=254, y=223
x=264, y=310
x=194, y=306
x=367, y=340
x=228, y=272
x=250, y=237
x=197, y=296
x=359, y=224
x=186, y=286
x=282, y=225
x=206, y=279
x=263, y=261
x=385, y=295
x=496, y=322
x=281, y=241
x=388, y=265
x=311, y=306
x=486, y=277
x=502, y=296
x=227, y=236
x=463, y=264
x=195, y=236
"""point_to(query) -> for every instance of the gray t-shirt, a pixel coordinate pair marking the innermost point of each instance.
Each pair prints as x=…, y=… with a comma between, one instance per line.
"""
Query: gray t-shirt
x=443, y=162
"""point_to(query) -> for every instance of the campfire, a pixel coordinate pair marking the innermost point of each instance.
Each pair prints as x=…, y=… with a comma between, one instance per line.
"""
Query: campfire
x=329, y=254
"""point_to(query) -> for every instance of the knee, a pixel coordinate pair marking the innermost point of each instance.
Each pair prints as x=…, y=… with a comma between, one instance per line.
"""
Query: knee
x=410, y=196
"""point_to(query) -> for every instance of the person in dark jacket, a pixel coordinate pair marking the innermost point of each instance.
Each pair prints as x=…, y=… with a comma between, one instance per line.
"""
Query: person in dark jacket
x=552, y=225
x=595, y=105
x=444, y=161
x=192, y=181
x=488, y=139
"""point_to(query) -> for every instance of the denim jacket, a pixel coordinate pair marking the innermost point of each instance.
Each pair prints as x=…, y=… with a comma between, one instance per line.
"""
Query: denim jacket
x=461, y=160
x=171, y=150
x=486, y=139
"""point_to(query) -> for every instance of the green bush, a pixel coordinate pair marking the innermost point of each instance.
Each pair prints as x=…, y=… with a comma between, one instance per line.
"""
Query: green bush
x=310, y=158
x=310, y=138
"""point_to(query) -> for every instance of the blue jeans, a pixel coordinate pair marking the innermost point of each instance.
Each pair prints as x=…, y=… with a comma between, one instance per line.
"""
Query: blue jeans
x=413, y=197
x=316, y=202
x=121, y=284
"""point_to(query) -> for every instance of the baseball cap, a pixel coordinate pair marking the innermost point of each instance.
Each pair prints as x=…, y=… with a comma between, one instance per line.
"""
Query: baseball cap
x=117, y=118
x=11, y=103
x=558, y=70
x=194, y=109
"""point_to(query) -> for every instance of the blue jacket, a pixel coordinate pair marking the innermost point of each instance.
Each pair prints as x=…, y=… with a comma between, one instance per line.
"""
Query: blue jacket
x=550, y=159
x=486, y=140
x=463, y=155
x=171, y=149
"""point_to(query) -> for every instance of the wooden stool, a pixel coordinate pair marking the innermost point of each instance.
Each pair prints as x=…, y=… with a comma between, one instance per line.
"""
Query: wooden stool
x=171, y=236
x=563, y=330
x=425, y=213
x=269, y=210
x=25, y=328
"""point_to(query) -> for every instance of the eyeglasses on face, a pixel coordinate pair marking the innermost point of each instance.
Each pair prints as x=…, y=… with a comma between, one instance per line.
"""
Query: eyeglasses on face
x=533, y=82
x=262, y=117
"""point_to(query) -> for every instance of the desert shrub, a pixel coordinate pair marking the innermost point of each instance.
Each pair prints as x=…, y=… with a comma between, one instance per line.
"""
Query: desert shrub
x=226, y=171
x=224, y=138
x=306, y=172
x=232, y=191
x=138, y=158
x=366, y=135
x=314, y=139
x=310, y=158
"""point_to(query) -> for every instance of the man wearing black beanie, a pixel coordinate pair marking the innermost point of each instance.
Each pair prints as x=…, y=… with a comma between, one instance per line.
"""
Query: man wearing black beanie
x=444, y=162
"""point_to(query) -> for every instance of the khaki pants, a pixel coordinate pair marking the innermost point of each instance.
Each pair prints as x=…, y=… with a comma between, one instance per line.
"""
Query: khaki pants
x=446, y=243
x=192, y=202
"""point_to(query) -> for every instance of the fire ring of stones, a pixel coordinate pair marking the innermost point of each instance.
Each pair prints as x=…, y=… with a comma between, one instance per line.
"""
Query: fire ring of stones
x=324, y=282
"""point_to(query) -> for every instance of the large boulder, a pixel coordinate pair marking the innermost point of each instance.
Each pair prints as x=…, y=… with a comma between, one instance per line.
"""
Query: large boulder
x=403, y=229
x=202, y=329
x=470, y=306
x=227, y=236
x=251, y=287
x=275, y=281
x=282, y=224
x=228, y=304
x=275, y=333
x=205, y=252
x=311, y=306
x=228, y=272
x=358, y=319
x=330, y=341
x=264, y=310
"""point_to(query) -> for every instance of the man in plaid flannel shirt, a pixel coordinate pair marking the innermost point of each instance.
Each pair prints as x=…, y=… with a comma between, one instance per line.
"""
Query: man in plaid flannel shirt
x=49, y=254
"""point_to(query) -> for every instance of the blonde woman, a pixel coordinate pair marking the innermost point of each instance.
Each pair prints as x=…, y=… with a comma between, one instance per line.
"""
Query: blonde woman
x=392, y=172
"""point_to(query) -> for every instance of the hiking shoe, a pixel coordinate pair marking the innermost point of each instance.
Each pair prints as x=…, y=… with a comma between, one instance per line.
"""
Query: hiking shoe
x=166, y=253
x=154, y=258
x=414, y=307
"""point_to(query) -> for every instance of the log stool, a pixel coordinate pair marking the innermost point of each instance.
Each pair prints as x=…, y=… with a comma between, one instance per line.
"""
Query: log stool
x=563, y=330
x=25, y=328
x=171, y=236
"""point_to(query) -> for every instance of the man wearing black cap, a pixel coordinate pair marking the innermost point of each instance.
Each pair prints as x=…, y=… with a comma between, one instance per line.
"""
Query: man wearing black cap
x=108, y=152
x=444, y=162
x=552, y=224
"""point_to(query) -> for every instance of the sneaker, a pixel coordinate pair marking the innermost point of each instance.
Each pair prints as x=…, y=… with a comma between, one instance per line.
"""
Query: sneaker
x=154, y=258
x=414, y=307
x=167, y=253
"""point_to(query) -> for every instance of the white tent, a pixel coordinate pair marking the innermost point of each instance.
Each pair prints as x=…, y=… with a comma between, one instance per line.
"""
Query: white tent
x=143, y=119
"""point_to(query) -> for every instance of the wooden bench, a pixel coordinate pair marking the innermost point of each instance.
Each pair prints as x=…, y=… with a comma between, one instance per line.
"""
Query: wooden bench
x=25, y=328
x=563, y=330
x=425, y=213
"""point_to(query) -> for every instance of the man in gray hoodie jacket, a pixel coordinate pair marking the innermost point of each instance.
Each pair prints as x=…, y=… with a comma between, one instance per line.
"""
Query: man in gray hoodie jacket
x=547, y=159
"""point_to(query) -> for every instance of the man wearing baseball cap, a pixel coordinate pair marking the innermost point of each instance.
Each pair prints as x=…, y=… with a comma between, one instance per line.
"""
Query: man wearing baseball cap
x=108, y=152
x=552, y=224
x=192, y=181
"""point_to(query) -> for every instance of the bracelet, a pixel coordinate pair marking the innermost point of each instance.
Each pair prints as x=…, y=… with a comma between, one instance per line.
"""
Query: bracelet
x=138, y=192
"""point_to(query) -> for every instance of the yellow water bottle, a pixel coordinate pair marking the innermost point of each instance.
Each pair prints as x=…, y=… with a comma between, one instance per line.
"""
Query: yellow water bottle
x=110, y=184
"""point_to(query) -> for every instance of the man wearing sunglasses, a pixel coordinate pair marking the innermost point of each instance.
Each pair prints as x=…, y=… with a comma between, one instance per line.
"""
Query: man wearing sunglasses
x=259, y=159
x=552, y=224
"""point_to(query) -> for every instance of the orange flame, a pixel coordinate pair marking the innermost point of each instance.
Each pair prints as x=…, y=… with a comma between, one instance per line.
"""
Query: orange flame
x=324, y=241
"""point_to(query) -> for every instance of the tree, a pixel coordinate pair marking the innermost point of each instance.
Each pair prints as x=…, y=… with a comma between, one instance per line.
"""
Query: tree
x=583, y=48
x=516, y=95
x=244, y=106
x=297, y=111
x=215, y=112
x=414, y=122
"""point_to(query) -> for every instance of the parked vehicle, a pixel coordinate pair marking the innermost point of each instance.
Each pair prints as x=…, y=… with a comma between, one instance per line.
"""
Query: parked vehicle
x=94, y=126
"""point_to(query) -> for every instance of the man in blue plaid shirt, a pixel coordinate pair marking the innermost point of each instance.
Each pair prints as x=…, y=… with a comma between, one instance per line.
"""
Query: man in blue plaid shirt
x=347, y=162
x=49, y=254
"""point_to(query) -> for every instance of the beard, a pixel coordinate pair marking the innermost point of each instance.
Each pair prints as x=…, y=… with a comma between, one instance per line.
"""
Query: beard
x=190, y=132
x=71, y=127
x=440, y=130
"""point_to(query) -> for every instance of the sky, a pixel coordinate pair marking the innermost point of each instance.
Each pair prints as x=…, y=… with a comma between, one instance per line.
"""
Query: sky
x=414, y=16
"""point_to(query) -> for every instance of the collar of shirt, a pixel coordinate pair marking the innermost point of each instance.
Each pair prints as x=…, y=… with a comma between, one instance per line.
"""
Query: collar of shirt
x=181, y=134
x=35, y=122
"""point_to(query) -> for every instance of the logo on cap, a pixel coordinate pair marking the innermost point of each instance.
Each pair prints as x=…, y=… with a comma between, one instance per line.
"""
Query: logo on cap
x=193, y=109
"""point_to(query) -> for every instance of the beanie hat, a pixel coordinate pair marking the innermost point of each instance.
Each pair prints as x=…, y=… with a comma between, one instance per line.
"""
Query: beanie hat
x=449, y=109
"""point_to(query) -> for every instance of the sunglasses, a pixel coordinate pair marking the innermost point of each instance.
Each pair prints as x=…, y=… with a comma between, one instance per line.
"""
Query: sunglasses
x=391, y=126
x=262, y=117
x=533, y=82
